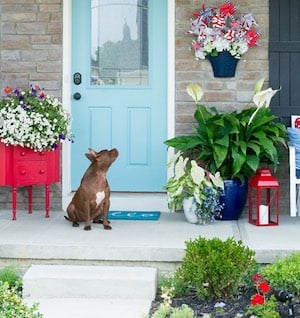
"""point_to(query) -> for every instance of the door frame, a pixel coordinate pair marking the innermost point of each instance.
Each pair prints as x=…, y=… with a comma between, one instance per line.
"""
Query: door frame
x=154, y=200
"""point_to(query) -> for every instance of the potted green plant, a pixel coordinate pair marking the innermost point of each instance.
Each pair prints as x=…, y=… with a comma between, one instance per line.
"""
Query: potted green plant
x=234, y=143
x=194, y=189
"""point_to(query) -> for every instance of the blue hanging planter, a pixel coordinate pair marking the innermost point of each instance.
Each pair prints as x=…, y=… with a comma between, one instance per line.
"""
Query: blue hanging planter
x=223, y=65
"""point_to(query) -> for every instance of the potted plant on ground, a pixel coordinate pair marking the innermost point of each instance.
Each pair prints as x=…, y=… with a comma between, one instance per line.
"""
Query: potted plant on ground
x=234, y=143
x=194, y=189
x=222, y=37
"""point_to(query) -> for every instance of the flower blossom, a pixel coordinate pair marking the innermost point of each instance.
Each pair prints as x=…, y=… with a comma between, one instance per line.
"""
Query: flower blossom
x=217, y=30
x=257, y=299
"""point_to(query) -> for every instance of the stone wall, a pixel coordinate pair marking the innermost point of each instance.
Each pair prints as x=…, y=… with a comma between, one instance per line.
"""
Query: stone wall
x=31, y=53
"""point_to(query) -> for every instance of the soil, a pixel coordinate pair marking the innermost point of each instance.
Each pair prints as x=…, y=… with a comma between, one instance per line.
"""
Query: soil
x=234, y=308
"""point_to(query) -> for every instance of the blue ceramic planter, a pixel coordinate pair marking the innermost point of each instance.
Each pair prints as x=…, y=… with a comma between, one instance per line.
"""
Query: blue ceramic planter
x=223, y=65
x=234, y=199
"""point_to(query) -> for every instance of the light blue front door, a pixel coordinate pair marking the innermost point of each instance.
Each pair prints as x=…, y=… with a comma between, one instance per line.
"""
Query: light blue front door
x=119, y=65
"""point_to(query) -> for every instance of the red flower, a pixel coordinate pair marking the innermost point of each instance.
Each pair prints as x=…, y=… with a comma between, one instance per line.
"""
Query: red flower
x=257, y=279
x=7, y=90
x=252, y=37
x=37, y=87
x=264, y=287
x=257, y=299
x=227, y=9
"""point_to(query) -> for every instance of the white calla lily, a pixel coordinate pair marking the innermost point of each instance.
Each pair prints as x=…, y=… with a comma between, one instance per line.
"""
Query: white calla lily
x=195, y=91
x=258, y=86
x=263, y=98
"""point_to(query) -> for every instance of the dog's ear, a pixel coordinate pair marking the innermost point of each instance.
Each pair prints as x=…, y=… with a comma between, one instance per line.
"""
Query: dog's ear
x=93, y=152
x=90, y=157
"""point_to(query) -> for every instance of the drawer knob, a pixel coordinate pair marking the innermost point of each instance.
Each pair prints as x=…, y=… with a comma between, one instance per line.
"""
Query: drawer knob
x=42, y=171
x=23, y=153
x=23, y=172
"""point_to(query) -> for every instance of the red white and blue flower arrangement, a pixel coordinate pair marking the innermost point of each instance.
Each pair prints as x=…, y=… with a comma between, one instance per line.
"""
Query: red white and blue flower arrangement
x=217, y=29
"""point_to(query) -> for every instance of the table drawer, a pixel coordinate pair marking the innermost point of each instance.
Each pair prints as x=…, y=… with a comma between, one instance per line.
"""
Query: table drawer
x=31, y=173
x=29, y=154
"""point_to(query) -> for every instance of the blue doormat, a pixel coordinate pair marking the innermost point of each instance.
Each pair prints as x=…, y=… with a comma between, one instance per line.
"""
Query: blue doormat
x=134, y=215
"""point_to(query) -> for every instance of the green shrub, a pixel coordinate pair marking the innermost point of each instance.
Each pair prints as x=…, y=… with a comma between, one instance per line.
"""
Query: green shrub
x=169, y=312
x=10, y=275
x=216, y=268
x=284, y=273
x=13, y=306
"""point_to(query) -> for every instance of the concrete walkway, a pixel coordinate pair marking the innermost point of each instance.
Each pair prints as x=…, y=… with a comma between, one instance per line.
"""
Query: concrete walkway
x=33, y=239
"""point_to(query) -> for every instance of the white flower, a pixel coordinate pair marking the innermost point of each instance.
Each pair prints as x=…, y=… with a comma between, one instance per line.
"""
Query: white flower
x=263, y=98
x=219, y=304
x=195, y=91
x=29, y=119
x=221, y=44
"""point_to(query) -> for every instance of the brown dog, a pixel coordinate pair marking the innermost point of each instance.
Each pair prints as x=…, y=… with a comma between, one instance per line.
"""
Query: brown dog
x=92, y=199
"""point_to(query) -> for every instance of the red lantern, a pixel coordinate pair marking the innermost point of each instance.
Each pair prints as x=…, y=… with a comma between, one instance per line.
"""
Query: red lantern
x=263, y=198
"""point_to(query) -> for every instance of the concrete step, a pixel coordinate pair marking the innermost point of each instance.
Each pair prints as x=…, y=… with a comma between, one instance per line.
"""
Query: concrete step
x=92, y=308
x=71, y=281
x=72, y=291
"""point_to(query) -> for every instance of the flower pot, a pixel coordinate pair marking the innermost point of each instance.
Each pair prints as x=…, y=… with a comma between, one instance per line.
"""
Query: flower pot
x=234, y=199
x=189, y=209
x=223, y=65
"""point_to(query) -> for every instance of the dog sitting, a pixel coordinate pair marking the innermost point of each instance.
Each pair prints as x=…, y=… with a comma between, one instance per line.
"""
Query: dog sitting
x=91, y=201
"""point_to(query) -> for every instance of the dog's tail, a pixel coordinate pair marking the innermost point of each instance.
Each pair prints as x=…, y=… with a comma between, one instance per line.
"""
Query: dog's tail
x=67, y=218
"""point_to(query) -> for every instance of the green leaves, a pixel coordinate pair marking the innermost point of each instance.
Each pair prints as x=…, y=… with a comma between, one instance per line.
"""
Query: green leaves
x=226, y=142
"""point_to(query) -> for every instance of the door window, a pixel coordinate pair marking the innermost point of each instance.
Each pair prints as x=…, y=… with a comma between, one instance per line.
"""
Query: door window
x=119, y=42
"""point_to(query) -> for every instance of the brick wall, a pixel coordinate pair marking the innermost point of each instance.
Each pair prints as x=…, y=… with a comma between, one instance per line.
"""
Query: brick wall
x=31, y=53
x=227, y=93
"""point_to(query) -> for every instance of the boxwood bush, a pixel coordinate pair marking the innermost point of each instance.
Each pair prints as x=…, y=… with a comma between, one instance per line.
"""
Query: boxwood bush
x=215, y=268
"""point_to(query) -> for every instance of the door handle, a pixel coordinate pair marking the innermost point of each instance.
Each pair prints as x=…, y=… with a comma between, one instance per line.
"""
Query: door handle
x=77, y=96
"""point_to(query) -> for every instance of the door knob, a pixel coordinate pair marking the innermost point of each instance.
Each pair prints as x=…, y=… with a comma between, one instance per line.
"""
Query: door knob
x=77, y=96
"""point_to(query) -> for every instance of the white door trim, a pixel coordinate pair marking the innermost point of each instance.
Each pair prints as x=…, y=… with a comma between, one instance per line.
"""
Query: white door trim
x=119, y=201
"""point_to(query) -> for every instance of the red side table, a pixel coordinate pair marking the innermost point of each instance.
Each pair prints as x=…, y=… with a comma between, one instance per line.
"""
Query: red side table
x=21, y=166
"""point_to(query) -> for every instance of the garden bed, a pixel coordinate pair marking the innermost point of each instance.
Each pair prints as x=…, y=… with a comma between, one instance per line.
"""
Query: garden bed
x=232, y=309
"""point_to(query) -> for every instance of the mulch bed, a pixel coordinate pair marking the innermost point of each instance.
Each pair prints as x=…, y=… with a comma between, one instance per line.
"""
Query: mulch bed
x=232, y=308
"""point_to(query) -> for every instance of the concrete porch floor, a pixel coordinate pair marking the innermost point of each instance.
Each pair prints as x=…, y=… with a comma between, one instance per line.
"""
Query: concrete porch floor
x=34, y=239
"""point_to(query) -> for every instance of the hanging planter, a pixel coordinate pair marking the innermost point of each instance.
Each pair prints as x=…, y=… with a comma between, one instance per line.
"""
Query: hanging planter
x=218, y=29
x=223, y=65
